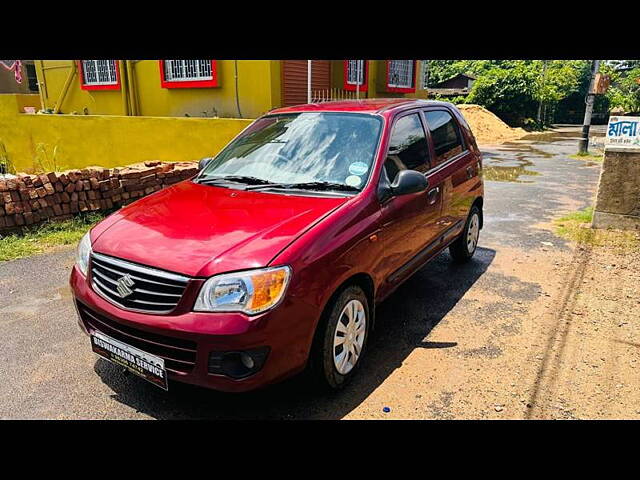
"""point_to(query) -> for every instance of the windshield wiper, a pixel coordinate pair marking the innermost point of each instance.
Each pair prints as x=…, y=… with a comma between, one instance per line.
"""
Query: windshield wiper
x=323, y=186
x=247, y=180
x=255, y=183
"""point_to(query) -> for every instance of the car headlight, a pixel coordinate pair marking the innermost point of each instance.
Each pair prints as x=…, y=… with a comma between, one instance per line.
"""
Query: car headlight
x=250, y=292
x=83, y=254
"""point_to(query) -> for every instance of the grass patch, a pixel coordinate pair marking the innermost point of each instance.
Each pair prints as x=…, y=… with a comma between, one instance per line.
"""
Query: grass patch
x=592, y=157
x=40, y=238
x=576, y=226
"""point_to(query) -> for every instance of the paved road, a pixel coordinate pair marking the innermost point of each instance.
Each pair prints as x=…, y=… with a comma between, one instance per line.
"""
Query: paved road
x=452, y=342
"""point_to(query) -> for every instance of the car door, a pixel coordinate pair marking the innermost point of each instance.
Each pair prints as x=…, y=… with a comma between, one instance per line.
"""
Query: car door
x=409, y=223
x=455, y=167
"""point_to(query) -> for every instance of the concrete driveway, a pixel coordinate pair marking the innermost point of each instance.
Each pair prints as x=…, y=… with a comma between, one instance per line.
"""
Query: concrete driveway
x=453, y=342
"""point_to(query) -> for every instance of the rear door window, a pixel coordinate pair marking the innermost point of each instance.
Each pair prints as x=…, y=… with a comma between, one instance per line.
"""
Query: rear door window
x=445, y=135
x=408, y=147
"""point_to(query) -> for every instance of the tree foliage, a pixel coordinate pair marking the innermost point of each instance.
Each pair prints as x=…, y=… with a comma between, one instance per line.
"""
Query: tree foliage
x=514, y=89
x=624, y=92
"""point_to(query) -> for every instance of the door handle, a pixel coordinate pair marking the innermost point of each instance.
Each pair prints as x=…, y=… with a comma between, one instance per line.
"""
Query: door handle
x=432, y=195
x=469, y=172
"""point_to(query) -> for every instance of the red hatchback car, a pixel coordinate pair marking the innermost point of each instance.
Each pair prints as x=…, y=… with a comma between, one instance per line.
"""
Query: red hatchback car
x=273, y=257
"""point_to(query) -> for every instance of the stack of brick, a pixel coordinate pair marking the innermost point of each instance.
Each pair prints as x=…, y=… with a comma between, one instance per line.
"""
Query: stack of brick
x=30, y=199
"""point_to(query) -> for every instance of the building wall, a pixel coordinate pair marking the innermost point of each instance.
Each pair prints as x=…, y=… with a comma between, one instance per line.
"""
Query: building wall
x=254, y=92
x=258, y=91
x=376, y=80
x=52, y=75
x=99, y=134
x=29, y=140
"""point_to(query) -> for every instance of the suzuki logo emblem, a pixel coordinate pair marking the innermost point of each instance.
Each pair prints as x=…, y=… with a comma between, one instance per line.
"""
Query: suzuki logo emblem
x=124, y=286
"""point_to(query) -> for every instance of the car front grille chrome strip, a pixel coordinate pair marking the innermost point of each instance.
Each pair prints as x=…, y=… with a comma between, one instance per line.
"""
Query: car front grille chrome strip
x=140, y=290
x=116, y=262
x=136, y=287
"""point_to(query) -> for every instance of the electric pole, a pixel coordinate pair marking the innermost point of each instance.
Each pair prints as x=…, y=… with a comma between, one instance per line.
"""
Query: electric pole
x=583, y=146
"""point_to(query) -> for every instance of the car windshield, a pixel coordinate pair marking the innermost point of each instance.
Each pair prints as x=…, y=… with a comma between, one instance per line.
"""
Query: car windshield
x=302, y=148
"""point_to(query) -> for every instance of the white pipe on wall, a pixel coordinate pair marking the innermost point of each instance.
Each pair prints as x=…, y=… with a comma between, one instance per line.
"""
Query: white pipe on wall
x=308, y=81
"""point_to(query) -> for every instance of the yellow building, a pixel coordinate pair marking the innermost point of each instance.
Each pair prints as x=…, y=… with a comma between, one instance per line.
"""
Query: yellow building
x=118, y=112
x=215, y=88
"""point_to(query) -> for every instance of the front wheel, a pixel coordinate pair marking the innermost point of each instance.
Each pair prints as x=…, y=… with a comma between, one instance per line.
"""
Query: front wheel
x=464, y=247
x=341, y=344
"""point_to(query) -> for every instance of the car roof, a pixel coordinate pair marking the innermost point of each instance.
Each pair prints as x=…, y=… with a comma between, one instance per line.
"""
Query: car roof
x=369, y=105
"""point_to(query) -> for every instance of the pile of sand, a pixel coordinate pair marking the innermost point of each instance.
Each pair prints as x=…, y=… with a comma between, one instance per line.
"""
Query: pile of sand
x=487, y=127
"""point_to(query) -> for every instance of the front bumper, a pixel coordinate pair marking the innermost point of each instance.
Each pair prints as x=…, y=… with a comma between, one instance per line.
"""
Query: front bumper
x=186, y=339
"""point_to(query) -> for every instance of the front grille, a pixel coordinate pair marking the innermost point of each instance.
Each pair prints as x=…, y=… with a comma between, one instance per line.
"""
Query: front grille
x=179, y=354
x=136, y=287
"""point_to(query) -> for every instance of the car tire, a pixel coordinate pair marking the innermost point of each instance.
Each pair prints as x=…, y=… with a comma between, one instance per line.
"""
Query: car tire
x=463, y=248
x=341, y=339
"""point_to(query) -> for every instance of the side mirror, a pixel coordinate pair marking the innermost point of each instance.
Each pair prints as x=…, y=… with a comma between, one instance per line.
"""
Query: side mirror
x=203, y=163
x=409, y=181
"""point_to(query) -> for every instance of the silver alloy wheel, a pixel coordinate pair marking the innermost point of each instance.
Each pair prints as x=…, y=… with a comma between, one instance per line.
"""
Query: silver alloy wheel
x=473, y=233
x=348, y=339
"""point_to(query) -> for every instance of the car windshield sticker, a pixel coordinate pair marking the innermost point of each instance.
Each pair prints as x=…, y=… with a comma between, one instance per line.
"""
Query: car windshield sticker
x=358, y=168
x=353, y=180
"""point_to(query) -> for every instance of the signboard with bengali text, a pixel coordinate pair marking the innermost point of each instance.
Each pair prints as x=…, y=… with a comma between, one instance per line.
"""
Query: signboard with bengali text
x=623, y=132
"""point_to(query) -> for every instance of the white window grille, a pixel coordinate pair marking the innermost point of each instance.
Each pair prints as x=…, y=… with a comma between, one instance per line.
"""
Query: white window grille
x=400, y=74
x=187, y=70
x=99, y=72
x=355, y=72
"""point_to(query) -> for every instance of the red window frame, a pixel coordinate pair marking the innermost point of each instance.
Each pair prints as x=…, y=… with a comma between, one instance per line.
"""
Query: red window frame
x=84, y=86
x=412, y=89
x=365, y=78
x=190, y=84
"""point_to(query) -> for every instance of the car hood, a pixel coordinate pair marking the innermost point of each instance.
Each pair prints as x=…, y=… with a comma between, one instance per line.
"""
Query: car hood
x=201, y=230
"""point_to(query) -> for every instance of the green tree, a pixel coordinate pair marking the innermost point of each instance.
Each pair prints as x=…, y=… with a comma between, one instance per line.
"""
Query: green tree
x=624, y=91
x=561, y=80
x=440, y=70
x=514, y=89
x=508, y=90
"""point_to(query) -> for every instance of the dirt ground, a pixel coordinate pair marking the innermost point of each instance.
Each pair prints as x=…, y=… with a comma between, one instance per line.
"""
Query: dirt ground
x=534, y=327
x=567, y=349
x=590, y=368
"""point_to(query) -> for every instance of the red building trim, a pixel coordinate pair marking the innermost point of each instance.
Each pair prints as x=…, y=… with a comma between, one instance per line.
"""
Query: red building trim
x=365, y=80
x=400, y=89
x=190, y=84
x=115, y=86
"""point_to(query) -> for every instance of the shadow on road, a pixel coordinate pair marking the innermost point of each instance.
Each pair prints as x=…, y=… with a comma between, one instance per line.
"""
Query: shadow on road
x=403, y=323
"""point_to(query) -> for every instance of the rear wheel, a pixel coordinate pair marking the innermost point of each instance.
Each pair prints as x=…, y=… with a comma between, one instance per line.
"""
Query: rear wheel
x=464, y=247
x=341, y=344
